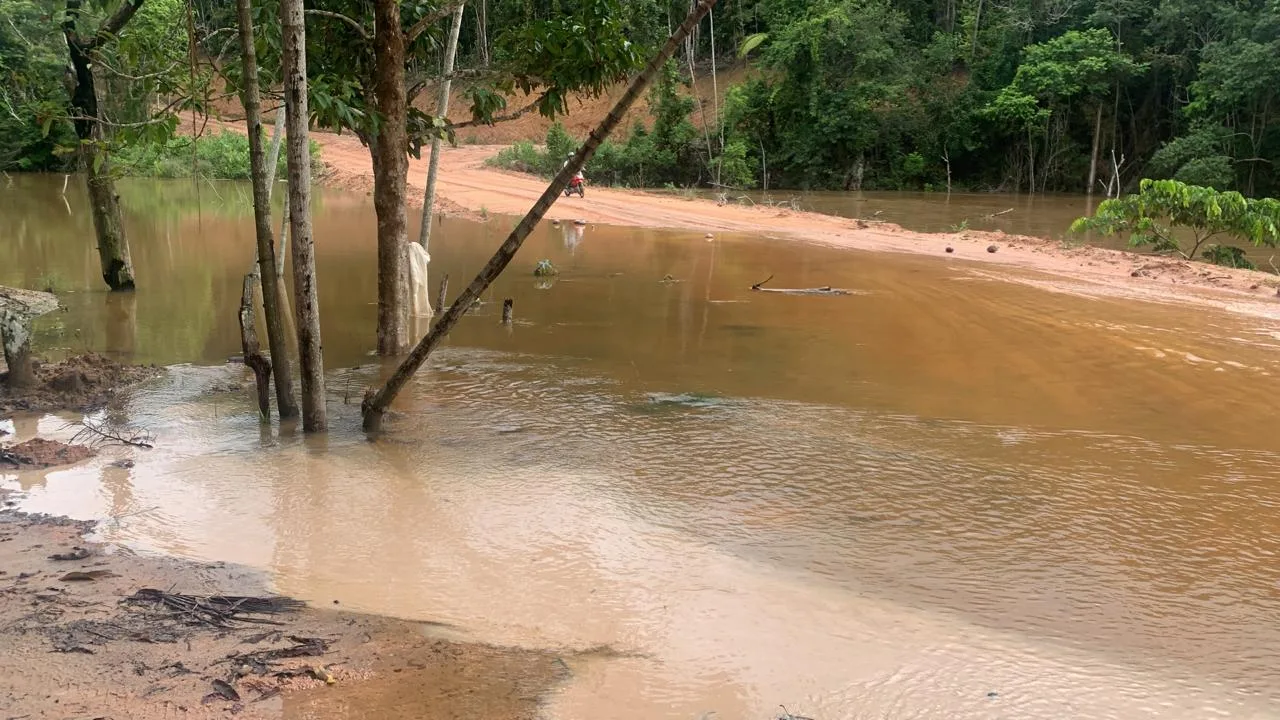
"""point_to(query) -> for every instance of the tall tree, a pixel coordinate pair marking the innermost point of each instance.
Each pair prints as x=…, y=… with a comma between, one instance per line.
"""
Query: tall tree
x=306, y=297
x=375, y=404
x=390, y=168
x=108, y=222
x=262, y=180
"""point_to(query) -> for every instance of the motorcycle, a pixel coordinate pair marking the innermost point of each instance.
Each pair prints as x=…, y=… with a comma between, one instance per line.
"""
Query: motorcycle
x=578, y=186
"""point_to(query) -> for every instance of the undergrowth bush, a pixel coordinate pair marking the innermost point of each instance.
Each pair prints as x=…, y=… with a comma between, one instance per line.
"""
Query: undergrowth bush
x=224, y=155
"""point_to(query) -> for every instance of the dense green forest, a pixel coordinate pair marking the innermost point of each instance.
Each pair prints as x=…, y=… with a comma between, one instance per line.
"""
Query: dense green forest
x=1014, y=95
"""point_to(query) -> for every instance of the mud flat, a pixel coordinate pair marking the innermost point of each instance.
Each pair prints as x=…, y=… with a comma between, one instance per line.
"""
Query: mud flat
x=97, y=631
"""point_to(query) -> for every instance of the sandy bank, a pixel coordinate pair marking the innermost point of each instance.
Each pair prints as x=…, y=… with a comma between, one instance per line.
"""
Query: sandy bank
x=77, y=647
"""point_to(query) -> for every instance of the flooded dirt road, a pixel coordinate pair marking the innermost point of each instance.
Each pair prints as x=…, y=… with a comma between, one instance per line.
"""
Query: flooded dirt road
x=471, y=188
x=946, y=495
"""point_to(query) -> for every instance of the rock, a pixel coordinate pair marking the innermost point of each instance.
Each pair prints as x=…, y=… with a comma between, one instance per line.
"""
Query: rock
x=950, y=249
x=992, y=248
x=709, y=236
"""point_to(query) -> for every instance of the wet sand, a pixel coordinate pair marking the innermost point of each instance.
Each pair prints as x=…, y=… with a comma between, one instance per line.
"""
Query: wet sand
x=73, y=648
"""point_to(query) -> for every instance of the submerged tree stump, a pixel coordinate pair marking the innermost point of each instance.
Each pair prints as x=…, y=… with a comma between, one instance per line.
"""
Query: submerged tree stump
x=18, y=308
x=253, y=356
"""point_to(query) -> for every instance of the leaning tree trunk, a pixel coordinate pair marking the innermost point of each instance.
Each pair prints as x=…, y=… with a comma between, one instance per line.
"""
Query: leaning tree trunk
x=288, y=408
x=390, y=170
x=104, y=202
x=376, y=403
x=442, y=110
x=306, y=298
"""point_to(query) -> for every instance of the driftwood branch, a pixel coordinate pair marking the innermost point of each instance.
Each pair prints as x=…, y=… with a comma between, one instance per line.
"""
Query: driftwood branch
x=364, y=34
x=824, y=290
x=376, y=403
x=997, y=214
x=106, y=433
x=498, y=118
x=430, y=19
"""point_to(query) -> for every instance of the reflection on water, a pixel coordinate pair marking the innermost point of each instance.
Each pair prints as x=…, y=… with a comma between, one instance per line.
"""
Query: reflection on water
x=948, y=497
x=1045, y=216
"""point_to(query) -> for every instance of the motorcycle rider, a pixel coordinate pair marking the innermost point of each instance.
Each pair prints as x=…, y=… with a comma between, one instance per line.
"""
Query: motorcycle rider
x=578, y=177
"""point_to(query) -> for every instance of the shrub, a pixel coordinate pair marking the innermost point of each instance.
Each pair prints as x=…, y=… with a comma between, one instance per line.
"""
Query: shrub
x=221, y=156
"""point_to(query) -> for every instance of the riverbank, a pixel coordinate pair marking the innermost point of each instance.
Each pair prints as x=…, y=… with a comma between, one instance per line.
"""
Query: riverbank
x=83, y=638
x=468, y=187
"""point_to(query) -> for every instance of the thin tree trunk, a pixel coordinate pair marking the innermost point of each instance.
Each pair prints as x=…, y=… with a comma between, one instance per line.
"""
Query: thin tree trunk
x=306, y=297
x=273, y=158
x=390, y=169
x=715, y=96
x=977, y=23
x=262, y=180
x=376, y=403
x=1031, y=166
x=1097, y=141
x=482, y=26
x=442, y=110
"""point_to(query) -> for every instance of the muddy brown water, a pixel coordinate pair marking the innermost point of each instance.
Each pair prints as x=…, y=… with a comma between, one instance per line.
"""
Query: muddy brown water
x=947, y=495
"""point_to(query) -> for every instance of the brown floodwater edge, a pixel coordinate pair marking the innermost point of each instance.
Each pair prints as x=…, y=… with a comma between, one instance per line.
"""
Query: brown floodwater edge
x=468, y=187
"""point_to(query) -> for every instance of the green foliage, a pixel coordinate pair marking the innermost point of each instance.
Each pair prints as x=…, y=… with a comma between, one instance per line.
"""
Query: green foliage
x=1227, y=256
x=669, y=153
x=222, y=156
x=1161, y=208
x=32, y=97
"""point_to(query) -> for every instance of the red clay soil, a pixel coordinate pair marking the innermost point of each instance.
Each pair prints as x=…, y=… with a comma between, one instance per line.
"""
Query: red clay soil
x=38, y=453
x=84, y=382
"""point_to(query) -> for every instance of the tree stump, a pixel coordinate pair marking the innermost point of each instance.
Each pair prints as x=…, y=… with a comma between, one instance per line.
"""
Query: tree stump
x=18, y=308
x=253, y=356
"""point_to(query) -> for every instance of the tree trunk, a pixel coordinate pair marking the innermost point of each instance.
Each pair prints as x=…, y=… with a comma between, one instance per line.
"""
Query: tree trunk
x=273, y=157
x=442, y=110
x=1031, y=163
x=262, y=180
x=482, y=28
x=977, y=23
x=376, y=403
x=1097, y=141
x=108, y=222
x=390, y=169
x=306, y=297
x=253, y=357
x=715, y=98
x=15, y=336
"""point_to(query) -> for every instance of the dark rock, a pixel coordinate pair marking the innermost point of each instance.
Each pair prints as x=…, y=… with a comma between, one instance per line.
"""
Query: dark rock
x=69, y=381
x=992, y=248
x=950, y=249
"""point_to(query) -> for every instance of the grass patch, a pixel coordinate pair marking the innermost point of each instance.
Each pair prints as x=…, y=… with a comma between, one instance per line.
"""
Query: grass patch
x=223, y=156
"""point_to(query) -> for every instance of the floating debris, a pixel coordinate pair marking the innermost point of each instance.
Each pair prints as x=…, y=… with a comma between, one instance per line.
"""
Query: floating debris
x=544, y=268
x=218, y=610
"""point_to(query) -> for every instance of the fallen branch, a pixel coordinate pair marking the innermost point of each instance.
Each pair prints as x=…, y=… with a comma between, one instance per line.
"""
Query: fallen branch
x=997, y=214
x=824, y=290
x=218, y=610
x=104, y=432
